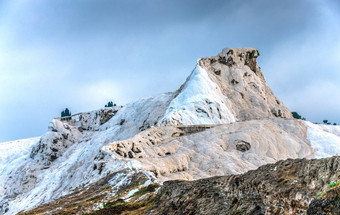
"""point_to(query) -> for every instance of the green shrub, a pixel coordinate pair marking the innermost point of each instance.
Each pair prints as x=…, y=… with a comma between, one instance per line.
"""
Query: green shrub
x=333, y=184
x=326, y=122
x=252, y=54
x=110, y=104
x=296, y=115
x=64, y=113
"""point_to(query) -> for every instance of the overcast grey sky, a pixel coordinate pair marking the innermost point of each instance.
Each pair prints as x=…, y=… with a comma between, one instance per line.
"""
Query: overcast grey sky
x=80, y=54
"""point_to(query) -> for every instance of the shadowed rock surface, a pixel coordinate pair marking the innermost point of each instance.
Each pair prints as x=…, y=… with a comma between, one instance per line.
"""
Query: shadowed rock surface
x=328, y=204
x=286, y=187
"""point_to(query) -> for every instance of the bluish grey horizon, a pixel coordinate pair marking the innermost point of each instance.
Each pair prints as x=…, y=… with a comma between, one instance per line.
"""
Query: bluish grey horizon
x=81, y=54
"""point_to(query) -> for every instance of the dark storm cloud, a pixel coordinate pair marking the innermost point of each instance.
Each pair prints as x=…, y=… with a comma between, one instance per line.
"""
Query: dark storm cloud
x=55, y=20
x=82, y=53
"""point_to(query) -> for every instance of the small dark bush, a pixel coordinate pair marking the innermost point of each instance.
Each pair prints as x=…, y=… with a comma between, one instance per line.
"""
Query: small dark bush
x=64, y=113
x=110, y=104
x=296, y=115
x=252, y=54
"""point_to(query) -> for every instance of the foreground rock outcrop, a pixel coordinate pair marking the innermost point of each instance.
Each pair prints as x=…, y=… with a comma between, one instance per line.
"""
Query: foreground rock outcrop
x=328, y=203
x=286, y=187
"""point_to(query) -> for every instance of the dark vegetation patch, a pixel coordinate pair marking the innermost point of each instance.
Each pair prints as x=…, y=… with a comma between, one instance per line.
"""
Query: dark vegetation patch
x=250, y=60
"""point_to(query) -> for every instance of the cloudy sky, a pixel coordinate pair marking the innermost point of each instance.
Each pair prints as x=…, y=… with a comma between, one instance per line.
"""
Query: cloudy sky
x=82, y=53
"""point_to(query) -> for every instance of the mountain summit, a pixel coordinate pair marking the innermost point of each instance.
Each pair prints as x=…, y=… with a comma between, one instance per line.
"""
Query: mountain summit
x=225, y=88
x=223, y=120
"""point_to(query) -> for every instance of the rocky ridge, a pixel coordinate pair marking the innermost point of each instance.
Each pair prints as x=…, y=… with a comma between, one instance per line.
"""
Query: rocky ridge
x=286, y=187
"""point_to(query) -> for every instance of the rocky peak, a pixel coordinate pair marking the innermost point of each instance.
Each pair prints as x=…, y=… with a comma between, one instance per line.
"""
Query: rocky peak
x=242, y=82
x=246, y=56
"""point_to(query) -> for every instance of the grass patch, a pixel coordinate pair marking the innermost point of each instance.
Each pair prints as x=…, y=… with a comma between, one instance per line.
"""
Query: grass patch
x=145, y=190
x=119, y=207
x=334, y=184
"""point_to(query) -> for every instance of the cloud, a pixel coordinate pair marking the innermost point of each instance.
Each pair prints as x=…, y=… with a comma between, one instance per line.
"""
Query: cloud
x=53, y=53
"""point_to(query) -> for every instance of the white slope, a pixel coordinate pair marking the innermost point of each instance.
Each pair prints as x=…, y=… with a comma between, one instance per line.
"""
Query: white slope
x=199, y=102
x=140, y=115
x=13, y=153
x=325, y=139
x=71, y=170
x=28, y=182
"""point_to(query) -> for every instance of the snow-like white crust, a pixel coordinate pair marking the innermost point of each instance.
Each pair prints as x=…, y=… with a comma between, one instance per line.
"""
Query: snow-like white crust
x=325, y=139
x=200, y=102
x=28, y=182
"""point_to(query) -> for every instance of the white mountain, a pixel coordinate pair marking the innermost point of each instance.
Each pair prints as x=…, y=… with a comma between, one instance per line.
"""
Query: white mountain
x=223, y=120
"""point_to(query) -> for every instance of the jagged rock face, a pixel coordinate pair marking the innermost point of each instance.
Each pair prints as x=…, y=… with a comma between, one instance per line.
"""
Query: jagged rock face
x=241, y=80
x=54, y=143
x=92, y=120
x=63, y=134
x=286, y=187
